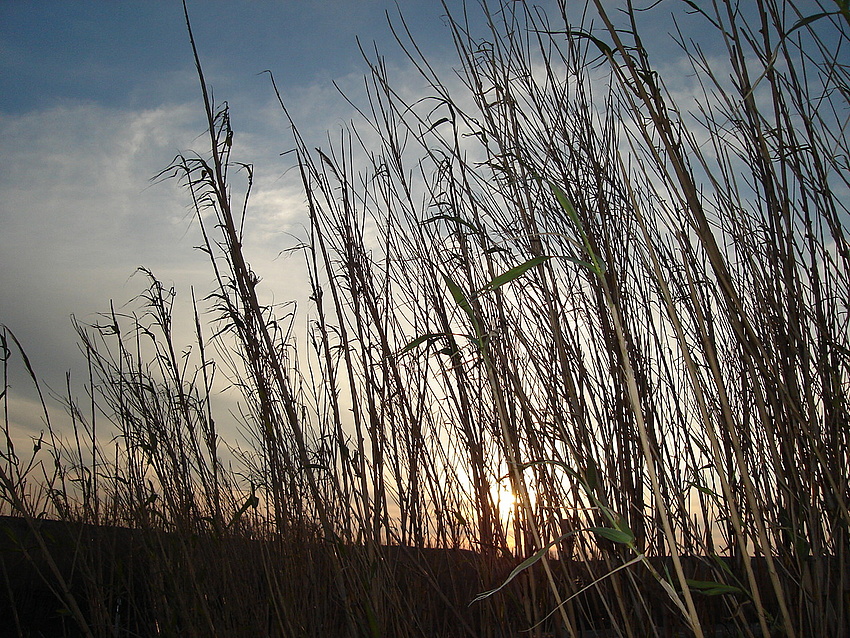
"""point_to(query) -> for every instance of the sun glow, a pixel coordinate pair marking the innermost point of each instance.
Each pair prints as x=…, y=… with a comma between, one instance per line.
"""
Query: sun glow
x=506, y=501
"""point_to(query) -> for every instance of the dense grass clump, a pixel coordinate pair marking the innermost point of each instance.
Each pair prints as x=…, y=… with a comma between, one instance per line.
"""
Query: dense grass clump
x=620, y=301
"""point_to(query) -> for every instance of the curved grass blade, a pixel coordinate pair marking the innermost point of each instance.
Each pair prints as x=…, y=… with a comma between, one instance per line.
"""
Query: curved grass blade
x=712, y=588
x=513, y=273
x=460, y=297
x=430, y=338
x=528, y=562
x=622, y=536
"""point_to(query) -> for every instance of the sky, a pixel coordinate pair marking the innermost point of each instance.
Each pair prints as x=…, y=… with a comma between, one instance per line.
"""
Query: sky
x=96, y=98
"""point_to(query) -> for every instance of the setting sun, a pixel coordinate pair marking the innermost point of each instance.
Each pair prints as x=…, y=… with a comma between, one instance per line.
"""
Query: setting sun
x=505, y=501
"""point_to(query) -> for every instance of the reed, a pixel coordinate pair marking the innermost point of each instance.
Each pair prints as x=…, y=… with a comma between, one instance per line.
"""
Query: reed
x=556, y=272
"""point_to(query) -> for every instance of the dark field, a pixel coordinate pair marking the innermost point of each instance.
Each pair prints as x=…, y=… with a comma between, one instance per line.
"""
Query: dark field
x=146, y=582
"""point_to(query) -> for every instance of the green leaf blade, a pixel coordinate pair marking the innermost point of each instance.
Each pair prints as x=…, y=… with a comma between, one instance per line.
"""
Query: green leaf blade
x=712, y=588
x=621, y=536
x=514, y=273
x=430, y=338
x=460, y=297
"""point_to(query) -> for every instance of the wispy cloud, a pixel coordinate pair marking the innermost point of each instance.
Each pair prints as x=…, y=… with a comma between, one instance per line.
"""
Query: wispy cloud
x=80, y=214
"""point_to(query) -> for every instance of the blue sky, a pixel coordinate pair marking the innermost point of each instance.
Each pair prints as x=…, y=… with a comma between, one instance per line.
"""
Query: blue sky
x=97, y=97
x=133, y=54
